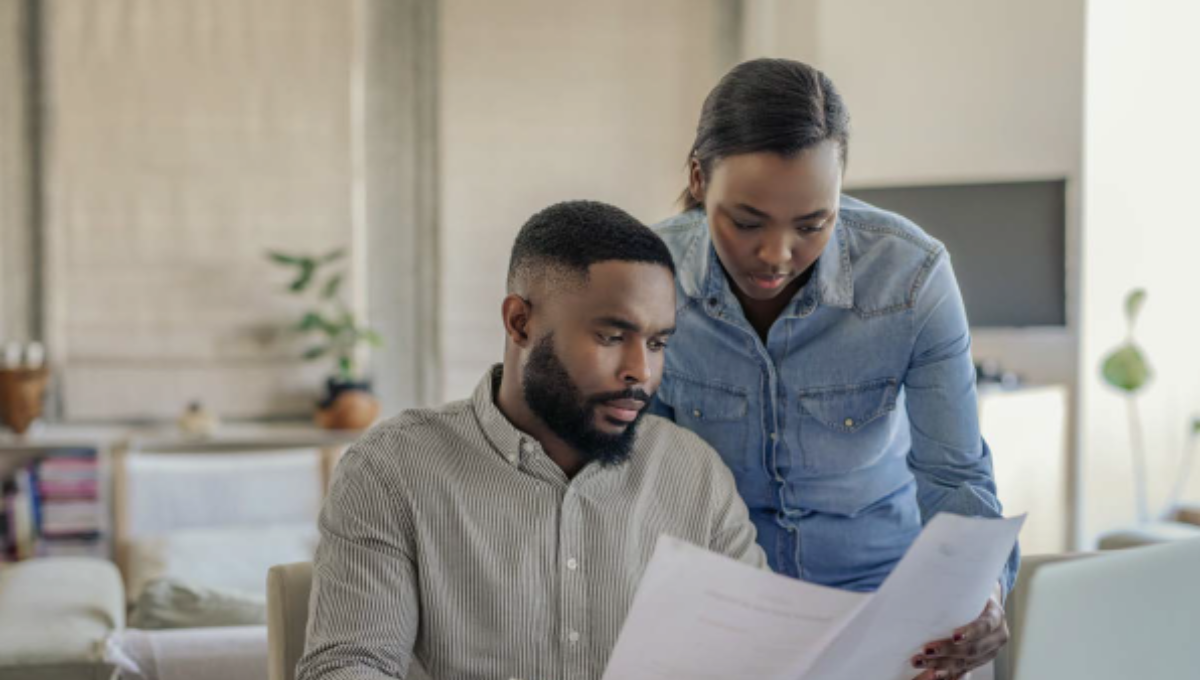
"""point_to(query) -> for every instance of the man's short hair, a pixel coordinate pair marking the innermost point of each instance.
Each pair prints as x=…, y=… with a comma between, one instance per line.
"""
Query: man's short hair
x=569, y=237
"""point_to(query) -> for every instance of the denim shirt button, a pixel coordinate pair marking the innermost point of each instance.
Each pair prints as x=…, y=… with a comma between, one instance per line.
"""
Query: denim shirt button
x=697, y=414
x=849, y=422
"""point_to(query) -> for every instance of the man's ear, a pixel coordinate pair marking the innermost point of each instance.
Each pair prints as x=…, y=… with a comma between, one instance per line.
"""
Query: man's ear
x=516, y=311
x=696, y=184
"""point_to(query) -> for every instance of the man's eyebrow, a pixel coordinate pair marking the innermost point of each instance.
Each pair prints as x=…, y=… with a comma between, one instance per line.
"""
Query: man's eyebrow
x=627, y=325
x=618, y=322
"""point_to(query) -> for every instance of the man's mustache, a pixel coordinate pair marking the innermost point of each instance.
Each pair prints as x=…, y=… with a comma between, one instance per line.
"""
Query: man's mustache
x=631, y=393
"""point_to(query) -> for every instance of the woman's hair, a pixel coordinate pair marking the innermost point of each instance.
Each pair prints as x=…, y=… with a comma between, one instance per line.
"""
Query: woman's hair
x=776, y=105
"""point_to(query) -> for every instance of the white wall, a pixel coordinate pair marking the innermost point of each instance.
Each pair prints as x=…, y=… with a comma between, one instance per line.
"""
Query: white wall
x=957, y=90
x=544, y=101
x=185, y=140
x=1141, y=150
x=945, y=91
x=15, y=251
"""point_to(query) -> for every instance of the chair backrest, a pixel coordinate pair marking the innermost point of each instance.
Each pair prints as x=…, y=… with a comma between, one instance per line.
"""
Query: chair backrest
x=1124, y=614
x=164, y=491
x=196, y=513
x=288, y=586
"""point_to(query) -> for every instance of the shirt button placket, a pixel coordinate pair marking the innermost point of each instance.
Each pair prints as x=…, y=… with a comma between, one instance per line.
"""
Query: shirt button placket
x=573, y=604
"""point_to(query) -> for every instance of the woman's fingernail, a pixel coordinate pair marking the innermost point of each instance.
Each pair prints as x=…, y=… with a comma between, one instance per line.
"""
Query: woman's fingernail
x=930, y=651
x=918, y=663
x=959, y=637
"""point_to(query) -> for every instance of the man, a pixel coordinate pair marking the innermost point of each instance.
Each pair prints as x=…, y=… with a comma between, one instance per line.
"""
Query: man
x=504, y=536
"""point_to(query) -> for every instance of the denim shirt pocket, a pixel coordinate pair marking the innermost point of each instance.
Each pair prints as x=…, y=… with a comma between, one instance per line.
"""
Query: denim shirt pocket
x=717, y=412
x=844, y=428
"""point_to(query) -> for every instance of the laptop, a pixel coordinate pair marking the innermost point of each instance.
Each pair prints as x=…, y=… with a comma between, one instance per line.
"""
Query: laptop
x=1118, y=615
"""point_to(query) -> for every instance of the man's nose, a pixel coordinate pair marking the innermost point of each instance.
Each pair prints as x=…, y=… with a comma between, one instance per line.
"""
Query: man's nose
x=635, y=367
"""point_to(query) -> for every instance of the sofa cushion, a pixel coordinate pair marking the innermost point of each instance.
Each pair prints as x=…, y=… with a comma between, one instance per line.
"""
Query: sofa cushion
x=238, y=653
x=233, y=558
x=169, y=603
x=55, y=614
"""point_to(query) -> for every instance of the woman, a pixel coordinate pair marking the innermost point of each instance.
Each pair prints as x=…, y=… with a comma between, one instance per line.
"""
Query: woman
x=822, y=348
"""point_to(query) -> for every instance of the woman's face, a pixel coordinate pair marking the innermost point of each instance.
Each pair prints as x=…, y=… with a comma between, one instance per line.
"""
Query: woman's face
x=770, y=217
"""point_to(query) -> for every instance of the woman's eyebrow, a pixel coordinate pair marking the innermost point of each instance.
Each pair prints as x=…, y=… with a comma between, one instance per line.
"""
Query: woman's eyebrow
x=816, y=214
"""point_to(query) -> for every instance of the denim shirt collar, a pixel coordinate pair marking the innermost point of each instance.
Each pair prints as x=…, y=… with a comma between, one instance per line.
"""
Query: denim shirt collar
x=702, y=277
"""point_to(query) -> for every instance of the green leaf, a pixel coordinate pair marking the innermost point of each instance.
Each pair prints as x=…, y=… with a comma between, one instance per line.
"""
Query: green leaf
x=1126, y=369
x=333, y=256
x=305, y=276
x=1195, y=425
x=312, y=321
x=315, y=352
x=1133, y=304
x=283, y=258
x=372, y=338
x=331, y=287
x=346, y=367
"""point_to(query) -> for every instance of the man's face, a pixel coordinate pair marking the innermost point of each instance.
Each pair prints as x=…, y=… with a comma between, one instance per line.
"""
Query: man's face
x=592, y=372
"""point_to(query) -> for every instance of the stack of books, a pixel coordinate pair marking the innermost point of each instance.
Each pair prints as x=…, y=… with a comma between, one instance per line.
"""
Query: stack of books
x=53, y=507
x=20, y=512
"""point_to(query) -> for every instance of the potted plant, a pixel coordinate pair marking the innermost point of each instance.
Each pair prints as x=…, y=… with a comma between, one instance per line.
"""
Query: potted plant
x=1127, y=369
x=337, y=335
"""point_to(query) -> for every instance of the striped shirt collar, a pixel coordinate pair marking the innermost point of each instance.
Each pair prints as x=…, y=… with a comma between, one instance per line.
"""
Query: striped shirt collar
x=525, y=452
x=510, y=443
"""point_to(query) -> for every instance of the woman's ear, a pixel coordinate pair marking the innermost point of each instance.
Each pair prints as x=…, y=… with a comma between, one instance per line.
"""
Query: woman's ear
x=516, y=311
x=696, y=184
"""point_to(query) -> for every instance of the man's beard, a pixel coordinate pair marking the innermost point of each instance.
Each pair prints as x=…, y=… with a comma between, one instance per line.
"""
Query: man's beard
x=557, y=401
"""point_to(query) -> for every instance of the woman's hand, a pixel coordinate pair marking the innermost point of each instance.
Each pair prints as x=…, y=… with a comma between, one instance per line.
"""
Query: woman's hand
x=970, y=647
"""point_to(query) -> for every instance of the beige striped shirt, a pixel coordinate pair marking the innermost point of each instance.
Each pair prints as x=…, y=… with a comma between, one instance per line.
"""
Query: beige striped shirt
x=451, y=538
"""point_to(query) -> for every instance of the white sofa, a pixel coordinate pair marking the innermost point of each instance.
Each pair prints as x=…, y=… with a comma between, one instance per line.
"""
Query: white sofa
x=64, y=619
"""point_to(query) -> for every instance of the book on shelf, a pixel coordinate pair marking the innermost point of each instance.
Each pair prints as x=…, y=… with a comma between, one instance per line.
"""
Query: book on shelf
x=52, y=507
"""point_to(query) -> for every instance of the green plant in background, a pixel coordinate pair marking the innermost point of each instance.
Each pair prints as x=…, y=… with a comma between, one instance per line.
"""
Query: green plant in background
x=338, y=333
x=1127, y=369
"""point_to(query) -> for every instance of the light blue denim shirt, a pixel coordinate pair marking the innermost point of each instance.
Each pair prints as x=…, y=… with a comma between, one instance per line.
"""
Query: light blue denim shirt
x=856, y=422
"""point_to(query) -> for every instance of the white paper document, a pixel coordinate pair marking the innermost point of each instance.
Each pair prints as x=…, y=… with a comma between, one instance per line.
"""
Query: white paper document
x=703, y=616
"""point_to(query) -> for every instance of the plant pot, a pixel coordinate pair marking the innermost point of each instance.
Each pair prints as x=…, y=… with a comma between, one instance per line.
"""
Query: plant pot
x=21, y=392
x=347, y=406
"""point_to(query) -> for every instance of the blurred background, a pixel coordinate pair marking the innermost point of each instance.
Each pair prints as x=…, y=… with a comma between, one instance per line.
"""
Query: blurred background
x=153, y=152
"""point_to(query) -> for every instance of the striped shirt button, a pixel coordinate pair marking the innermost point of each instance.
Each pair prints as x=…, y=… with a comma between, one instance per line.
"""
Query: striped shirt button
x=572, y=564
x=573, y=636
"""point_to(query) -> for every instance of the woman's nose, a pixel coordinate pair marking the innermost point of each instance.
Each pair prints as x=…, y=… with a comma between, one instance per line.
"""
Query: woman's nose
x=775, y=250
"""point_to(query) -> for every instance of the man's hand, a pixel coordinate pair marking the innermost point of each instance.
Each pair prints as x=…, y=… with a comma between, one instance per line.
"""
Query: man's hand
x=970, y=647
